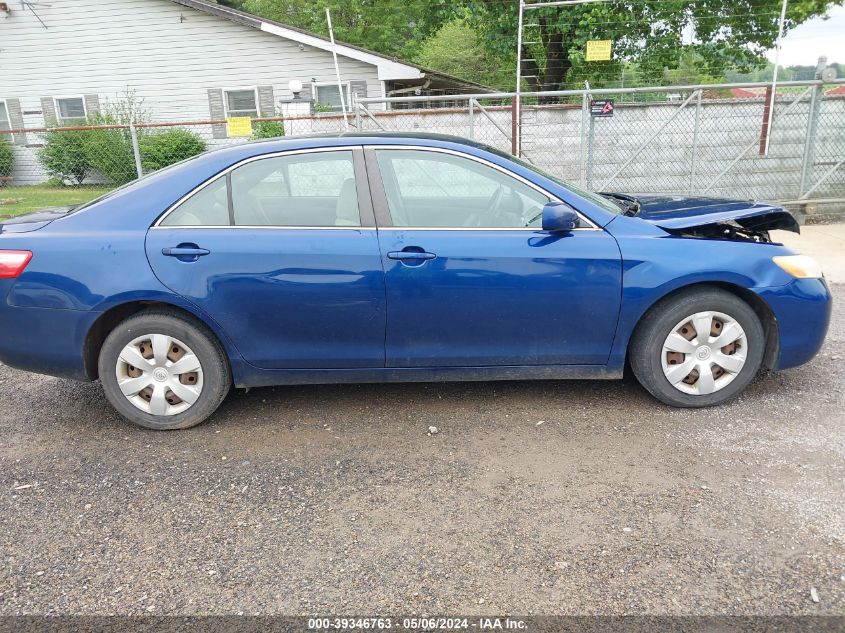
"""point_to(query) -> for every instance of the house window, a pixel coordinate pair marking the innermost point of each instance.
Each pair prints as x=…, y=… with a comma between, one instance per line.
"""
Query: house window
x=241, y=103
x=328, y=96
x=70, y=109
x=5, y=122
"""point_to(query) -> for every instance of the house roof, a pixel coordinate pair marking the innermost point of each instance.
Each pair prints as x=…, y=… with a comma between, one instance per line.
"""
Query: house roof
x=389, y=68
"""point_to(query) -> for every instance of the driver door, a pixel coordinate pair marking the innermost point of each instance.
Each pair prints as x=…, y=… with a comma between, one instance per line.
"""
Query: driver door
x=471, y=278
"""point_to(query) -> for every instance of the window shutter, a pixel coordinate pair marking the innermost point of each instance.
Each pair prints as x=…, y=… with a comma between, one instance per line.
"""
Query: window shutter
x=217, y=111
x=307, y=94
x=48, y=108
x=358, y=88
x=92, y=105
x=266, y=102
x=16, y=119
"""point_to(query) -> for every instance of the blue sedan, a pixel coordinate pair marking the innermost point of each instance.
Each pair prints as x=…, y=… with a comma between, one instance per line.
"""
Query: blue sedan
x=376, y=258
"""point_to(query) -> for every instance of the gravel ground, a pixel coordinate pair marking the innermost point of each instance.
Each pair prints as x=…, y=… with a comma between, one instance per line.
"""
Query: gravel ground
x=532, y=498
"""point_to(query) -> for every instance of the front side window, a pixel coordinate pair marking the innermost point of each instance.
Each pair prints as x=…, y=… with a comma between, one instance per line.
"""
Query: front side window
x=241, y=103
x=328, y=97
x=70, y=109
x=5, y=123
x=428, y=189
x=313, y=189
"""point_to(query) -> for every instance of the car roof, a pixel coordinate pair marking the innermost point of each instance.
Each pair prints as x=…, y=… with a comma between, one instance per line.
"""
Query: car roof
x=316, y=140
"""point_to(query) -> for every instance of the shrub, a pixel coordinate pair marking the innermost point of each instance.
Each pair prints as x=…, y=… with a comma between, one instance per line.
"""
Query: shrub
x=110, y=153
x=160, y=149
x=268, y=129
x=7, y=156
x=65, y=155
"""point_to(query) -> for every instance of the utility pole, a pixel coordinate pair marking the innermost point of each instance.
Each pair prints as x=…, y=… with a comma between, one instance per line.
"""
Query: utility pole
x=337, y=71
x=773, y=89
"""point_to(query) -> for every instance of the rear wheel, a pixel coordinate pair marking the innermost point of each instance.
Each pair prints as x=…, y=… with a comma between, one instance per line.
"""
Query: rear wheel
x=163, y=371
x=698, y=348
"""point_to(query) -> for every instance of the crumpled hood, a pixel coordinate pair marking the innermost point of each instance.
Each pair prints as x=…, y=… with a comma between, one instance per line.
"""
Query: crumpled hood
x=684, y=212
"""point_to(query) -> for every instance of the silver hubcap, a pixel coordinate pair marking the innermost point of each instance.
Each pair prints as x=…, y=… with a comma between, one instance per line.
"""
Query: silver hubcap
x=159, y=375
x=704, y=353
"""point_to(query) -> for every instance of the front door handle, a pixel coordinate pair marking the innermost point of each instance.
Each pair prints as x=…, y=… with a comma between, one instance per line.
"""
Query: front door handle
x=410, y=255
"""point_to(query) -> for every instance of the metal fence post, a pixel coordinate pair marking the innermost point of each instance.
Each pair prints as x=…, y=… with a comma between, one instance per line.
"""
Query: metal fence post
x=585, y=108
x=694, y=156
x=136, y=150
x=353, y=106
x=471, y=118
x=809, y=155
x=590, y=146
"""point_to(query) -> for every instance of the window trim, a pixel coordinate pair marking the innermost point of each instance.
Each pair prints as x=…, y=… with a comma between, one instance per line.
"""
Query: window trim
x=372, y=202
x=62, y=120
x=365, y=204
x=253, y=89
x=8, y=116
x=385, y=221
x=346, y=86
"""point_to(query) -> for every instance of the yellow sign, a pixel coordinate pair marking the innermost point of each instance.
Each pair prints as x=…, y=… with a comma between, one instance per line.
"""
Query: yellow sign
x=239, y=126
x=599, y=50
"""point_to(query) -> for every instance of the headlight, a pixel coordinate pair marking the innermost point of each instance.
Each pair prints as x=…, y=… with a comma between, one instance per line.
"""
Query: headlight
x=799, y=266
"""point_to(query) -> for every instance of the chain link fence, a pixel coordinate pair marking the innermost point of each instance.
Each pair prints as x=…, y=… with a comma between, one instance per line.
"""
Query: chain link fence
x=709, y=140
x=712, y=140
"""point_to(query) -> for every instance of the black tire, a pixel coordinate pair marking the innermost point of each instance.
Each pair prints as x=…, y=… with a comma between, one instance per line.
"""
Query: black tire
x=647, y=344
x=215, y=367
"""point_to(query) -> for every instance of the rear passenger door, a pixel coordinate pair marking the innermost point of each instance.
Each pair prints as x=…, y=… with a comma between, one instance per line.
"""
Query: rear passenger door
x=282, y=252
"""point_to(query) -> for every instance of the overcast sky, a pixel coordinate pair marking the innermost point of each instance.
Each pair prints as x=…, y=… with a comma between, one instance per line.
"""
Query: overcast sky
x=804, y=44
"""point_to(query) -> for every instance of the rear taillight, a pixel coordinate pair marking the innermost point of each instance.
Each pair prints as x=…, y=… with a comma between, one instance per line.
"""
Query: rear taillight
x=12, y=263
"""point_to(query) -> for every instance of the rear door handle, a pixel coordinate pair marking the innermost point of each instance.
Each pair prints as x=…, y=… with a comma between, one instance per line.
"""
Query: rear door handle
x=406, y=255
x=184, y=251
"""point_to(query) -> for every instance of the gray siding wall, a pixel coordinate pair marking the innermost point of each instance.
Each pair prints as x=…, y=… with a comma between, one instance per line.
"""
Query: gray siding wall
x=168, y=54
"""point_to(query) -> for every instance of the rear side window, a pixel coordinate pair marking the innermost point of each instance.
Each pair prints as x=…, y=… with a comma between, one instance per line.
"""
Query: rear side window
x=208, y=207
x=314, y=189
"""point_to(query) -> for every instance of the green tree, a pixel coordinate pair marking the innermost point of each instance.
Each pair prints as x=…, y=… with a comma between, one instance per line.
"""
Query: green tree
x=722, y=35
x=764, y=73
x=391, y=27
x=457, y=49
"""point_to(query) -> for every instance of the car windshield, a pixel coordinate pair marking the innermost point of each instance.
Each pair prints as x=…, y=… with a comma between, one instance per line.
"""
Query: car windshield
x=596, y=199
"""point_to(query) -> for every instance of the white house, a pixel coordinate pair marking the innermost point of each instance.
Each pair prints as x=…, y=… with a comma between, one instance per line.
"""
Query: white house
x=188, y=60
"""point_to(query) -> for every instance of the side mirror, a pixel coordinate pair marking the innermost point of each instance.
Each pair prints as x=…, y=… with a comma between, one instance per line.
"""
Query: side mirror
x=559, y=217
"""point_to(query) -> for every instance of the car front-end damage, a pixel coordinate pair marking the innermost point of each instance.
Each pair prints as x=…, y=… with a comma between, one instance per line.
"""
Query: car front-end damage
x=710, y=218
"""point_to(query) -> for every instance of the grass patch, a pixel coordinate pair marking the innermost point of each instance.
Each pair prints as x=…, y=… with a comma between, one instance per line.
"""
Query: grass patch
x=19, y=200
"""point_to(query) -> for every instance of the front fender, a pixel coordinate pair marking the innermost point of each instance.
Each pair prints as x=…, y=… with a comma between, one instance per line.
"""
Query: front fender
x=656, y=264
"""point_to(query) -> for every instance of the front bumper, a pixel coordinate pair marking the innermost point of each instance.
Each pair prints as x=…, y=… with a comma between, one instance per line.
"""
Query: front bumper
x=802, y=309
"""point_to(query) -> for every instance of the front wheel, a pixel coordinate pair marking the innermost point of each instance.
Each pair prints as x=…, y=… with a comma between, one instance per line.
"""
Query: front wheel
x=698, y=348
x=163, y=371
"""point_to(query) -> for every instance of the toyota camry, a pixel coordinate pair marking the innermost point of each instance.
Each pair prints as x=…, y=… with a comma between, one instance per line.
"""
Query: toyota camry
x=380, y=258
